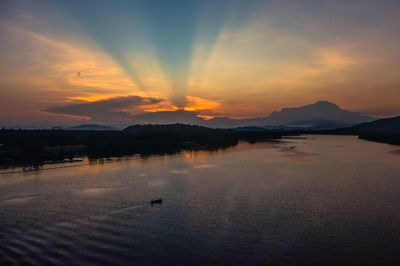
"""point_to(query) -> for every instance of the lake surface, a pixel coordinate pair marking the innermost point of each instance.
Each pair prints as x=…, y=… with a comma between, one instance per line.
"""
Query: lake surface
x=328, y=200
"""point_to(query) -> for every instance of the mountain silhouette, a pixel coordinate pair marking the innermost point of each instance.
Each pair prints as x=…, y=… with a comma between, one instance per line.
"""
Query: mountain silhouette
x=320, y=115
x=314, y=114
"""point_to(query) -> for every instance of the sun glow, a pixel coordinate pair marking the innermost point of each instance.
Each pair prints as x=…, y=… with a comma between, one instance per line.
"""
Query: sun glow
x=200, y=104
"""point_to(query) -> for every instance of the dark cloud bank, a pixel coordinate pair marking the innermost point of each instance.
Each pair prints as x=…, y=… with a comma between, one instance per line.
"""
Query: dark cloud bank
x=105, y=111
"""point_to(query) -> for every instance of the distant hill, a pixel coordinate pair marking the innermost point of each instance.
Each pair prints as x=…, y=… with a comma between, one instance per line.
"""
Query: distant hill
x=179, y=128
x=190, y=134
x=385, y=130
x=251, y=129
x=168, y=117
x=386, y=125
x=90, y=127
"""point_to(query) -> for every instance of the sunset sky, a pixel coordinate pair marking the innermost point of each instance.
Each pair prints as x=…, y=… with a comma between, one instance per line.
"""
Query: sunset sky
x=71, y=62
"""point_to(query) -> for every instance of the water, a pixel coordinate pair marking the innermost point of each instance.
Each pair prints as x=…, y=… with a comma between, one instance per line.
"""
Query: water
x=329, y=200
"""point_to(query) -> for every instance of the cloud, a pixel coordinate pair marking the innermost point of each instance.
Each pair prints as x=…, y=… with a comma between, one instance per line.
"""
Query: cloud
x=128, y=110
x=113, y=110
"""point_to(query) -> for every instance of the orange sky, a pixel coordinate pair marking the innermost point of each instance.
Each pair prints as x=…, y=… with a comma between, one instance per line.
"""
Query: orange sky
x=245, y=64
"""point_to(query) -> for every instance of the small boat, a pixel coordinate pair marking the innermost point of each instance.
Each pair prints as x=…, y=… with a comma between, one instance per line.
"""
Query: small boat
x=157, y=201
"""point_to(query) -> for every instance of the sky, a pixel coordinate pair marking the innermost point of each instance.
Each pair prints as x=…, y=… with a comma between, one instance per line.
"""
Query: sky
x=73, y=62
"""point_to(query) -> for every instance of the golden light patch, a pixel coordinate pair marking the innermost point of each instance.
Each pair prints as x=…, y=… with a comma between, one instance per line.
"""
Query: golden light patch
x=198, y=104
x=163, y=109
x=206, y=117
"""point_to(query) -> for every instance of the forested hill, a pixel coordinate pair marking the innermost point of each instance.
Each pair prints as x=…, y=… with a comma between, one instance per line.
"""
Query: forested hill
x=18, y=147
